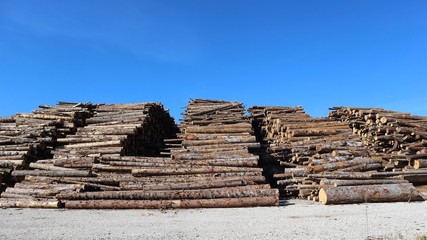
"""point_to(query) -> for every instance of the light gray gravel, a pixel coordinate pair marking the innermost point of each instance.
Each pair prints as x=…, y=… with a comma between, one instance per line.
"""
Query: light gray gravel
x=297, y=220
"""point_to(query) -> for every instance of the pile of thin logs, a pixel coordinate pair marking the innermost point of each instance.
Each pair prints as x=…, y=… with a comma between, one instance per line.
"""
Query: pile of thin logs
x=92, y=159
x=400, y=138
x=313, y=149
x=217, y=138
x=213, y=169
x=396, y=137
x=24, y=138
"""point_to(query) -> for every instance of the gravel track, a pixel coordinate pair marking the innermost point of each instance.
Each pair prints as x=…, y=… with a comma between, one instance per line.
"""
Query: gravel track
x=298, y=219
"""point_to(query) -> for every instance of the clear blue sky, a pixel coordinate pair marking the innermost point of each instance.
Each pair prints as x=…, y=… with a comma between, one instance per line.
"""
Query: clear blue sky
x=316, y=54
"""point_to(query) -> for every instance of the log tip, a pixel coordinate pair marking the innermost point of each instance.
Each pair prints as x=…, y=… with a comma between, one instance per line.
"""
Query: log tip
x=323, y=197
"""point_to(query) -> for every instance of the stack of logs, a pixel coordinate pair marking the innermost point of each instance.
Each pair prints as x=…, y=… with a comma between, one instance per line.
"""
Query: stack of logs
x=396, y=137
x=24, y=138
x=216, y=141
x=316, y=152
x=92, y=158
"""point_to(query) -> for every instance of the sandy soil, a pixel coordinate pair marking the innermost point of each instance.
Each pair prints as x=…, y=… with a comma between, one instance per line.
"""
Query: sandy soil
x=296, y=220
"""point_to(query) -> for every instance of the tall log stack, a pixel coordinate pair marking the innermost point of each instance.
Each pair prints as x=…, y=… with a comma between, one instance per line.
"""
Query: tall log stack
x=217, y=138
x=397, y=137
x=316, y=152
x=25, y=138
x=207, y=172
x=77, y=155
x=91, y=158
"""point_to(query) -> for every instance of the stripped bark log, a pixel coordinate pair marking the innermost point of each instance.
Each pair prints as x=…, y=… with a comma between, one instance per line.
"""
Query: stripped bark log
x=369, y=193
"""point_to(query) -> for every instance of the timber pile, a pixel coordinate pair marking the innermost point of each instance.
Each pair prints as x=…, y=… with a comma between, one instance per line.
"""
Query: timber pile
x=216, y=141
x=24, y=138
x=399, y=138
x=92, y=158
x=396, y=137
x=316, y=153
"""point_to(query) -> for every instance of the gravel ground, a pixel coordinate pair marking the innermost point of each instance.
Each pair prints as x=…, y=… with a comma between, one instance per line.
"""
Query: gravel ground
x=298, y=219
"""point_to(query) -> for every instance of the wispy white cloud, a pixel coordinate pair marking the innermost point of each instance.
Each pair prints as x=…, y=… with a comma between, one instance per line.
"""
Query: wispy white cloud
x=157, y=33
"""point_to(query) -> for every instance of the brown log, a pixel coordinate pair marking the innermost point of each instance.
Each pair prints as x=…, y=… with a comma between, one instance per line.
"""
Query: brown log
x=232, y=192
x=50, y=167
x=73, y=173
x=344, y=164
x=224, y=140
x=166, y=204
x=420, y=163
x=185, y=185
x=192, y=170
x=28, y=203
x=419, y=179
x=337, y=182
x=369, y=193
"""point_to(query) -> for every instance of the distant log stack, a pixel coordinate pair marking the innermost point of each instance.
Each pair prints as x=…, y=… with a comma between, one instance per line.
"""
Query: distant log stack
x=311, y=148
x=83, y=160
x=25, y=138
x=217, y=138
x=76, y=155
x=400, y=138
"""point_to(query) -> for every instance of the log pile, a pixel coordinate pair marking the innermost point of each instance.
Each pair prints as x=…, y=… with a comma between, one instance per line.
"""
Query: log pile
x=91, y=159
x=212, y=169
x=400, y=138
x=24, y=138
x=318, y=150
x=217, y=138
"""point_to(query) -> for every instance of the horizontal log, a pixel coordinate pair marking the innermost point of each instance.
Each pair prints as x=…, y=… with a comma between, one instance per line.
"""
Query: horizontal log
x=420, y=163
x=28, y=203
x=49, y=167
x=403, y=192
x=185, y=185
x=337, y=182
x=231, y=192
x=222, y=140
x=73, y=173
x=167, y=204
x=115, y=143
x=192, y=170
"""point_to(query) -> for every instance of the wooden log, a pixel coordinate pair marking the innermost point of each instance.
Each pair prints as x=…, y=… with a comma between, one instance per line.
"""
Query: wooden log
x=73, y=173
x=34, y=192
x=232, y=192
x=192, y=170
x=115, y=143
x=369, y=193
x=418, y=179
x=15, y=196
x=420, y=163
x=357, y=182
x=167, y=204
x=28, y=203
x=186, y=185
x=231, y=155
x=223, y=140
x=182, y=163
x=50, y=167
x=342, y=175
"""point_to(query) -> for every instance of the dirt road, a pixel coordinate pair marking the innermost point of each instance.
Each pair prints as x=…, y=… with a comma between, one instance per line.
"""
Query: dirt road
x=296, y=220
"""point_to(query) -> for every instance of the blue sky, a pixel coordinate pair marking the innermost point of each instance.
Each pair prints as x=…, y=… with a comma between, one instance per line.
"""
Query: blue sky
x=316, y=54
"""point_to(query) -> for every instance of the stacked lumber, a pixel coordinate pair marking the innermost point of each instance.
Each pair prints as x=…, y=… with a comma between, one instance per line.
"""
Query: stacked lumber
x=400, y=138
x=92, y=159
x=119, y=129
x=217, y=138
x=313, y=149
x=24, y=138
x=211, y=170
